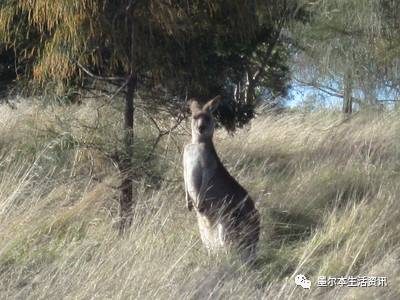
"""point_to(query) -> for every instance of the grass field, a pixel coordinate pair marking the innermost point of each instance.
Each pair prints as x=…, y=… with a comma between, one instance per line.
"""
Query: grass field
x=328, y=192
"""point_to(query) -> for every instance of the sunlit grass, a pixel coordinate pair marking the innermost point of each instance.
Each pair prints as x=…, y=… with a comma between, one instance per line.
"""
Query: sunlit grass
x=328, y=192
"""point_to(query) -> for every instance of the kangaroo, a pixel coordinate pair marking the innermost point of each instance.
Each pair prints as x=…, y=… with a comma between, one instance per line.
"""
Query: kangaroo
x=226, y=215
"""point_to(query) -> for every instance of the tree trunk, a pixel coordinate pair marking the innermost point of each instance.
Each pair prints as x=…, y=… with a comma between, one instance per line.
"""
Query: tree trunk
x=125, y=165
x=348, y=91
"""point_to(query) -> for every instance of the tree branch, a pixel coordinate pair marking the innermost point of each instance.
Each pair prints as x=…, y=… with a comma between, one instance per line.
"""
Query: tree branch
x=335, y=93
x=98, y=77
x=327, y=90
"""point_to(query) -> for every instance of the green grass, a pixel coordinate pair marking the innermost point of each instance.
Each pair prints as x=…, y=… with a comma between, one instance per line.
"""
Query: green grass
x=328, y=192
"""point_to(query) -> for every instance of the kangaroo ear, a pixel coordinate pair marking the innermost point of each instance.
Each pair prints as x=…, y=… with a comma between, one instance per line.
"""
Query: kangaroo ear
x=194, y=106
x=212, y=104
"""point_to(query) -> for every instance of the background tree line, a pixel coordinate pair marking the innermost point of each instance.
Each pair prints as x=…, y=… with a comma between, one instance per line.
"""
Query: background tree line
x=350, y=50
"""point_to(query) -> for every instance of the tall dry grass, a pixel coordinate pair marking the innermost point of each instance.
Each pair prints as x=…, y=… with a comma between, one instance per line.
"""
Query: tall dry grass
x=328, y=192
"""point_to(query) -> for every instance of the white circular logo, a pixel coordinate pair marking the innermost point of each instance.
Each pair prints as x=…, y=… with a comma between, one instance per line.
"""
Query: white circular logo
x=302, y=281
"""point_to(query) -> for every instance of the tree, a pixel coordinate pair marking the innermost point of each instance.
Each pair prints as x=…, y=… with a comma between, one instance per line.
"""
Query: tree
x=190, y=48
x=344, y=50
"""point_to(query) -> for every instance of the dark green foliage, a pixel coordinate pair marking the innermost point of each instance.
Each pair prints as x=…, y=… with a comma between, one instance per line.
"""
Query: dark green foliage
x=189, y=48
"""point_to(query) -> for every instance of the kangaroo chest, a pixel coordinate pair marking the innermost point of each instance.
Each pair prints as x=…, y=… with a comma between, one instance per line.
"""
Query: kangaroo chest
x=200, y=165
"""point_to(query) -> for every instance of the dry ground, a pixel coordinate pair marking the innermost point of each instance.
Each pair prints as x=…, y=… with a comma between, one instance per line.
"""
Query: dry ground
x=328, y=192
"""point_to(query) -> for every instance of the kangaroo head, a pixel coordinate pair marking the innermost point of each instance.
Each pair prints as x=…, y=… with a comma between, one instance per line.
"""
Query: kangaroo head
x=202, y=119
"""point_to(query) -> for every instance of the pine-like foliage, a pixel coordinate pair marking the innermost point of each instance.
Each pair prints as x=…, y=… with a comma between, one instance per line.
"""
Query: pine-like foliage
x=198, y=47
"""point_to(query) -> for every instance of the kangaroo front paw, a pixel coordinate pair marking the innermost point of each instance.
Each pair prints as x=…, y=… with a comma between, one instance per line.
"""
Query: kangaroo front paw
x=189, y=205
